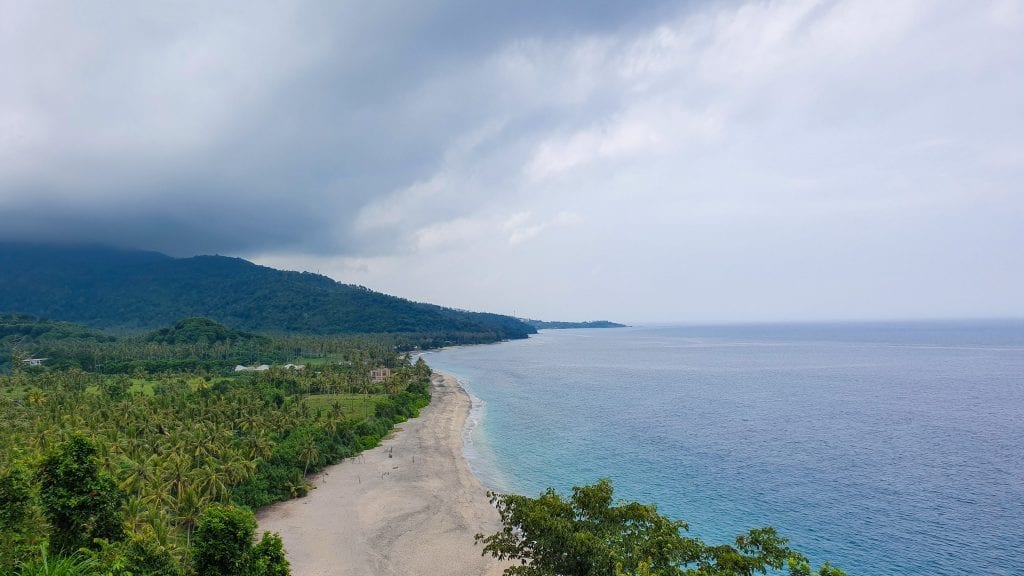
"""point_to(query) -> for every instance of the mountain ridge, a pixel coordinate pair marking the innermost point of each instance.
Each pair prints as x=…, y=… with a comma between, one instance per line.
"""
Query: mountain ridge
x=134, y=290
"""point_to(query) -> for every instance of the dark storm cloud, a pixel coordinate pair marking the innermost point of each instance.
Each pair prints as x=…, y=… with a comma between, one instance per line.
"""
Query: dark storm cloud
x=248, y=127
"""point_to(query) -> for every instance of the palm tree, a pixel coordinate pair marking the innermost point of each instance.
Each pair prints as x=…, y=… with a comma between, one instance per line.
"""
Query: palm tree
x=188, y=507
x=214, y=480
x=310, y=452
x=136, y=475
x=176, y=473
x=35, y=396
x=135, y=510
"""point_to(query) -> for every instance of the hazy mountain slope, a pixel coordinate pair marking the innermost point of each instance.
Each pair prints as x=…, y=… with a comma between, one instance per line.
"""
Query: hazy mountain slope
x=134, y=290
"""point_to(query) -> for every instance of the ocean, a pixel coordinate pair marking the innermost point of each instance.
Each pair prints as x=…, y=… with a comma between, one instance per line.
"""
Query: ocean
x=887, y=449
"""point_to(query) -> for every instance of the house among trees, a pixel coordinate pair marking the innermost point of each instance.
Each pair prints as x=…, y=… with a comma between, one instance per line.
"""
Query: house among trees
x=35, y=361
x=380, y=374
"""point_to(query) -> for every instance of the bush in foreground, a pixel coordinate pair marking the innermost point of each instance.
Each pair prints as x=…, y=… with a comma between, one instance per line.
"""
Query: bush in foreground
x=588, y=535
x=223, y=545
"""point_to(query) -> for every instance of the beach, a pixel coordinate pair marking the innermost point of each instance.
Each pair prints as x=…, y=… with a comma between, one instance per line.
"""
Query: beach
x=409, y=507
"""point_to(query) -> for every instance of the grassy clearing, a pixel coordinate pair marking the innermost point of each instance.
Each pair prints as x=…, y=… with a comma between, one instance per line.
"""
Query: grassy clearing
x=315, y=361
x=354, y=405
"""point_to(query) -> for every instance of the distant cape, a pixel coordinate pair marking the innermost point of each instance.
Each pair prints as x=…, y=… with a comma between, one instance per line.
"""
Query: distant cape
x=544, y=325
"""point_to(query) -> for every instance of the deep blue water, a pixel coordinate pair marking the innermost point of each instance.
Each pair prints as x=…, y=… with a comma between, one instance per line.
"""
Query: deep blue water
x=889, y=449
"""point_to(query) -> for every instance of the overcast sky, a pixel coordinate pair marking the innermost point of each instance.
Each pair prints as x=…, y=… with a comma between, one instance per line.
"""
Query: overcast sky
x=638, y=161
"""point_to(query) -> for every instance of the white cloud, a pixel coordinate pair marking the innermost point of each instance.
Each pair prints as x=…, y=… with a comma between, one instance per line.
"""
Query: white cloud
x=522, y=226
x=790, y=150
x=622, y=139
x=449, y=234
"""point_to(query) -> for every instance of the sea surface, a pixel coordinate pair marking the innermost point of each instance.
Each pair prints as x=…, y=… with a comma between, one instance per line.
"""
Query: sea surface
x=888, y=449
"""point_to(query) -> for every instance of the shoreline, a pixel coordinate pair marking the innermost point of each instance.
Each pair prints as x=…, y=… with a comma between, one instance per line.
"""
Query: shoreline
x=410, y=506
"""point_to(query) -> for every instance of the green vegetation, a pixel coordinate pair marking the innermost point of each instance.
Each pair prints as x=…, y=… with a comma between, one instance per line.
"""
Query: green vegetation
x=130, y=455
x=23, y=337
x=131, y=290
x=194, y=345
x=589, y=535
x=29, y=329
x=81, y=502
x=46, y=565
x=18, y=514
x=201, y=331
x=224, y=545
x=544, y=325
x=353, y=405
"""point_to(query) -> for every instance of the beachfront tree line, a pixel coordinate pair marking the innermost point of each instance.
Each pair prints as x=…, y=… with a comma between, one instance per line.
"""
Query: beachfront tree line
x=157, y=473
x=193, y=345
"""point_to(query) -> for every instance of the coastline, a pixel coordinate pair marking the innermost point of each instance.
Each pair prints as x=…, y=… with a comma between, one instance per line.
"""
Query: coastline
x=410, y=506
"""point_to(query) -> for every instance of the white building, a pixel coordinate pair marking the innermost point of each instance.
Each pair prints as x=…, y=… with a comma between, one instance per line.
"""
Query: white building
x=260, y=368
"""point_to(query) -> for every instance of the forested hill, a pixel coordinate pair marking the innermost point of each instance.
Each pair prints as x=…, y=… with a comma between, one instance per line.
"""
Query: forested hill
x=201, y=330
x=134, y=290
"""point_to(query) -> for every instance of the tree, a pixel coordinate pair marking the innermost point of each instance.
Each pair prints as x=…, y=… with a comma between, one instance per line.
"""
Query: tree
x=309, y=450
x=17, y=516
x=421, y=369
x=223, y=545
x=81, y=502
x=223, y=540
x=588, y=535
x=145, y=555
x=15, y=497
x=268, y=557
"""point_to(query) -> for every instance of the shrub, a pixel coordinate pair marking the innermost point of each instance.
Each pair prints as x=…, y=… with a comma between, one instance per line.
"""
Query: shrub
x=223, y=546
x=223, y=539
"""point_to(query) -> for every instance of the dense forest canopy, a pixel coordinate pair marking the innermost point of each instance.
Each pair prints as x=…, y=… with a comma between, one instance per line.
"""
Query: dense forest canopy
x=201, y=331
x=30, y=329
x=191, y=345
x=146, y=454
x=134, y=290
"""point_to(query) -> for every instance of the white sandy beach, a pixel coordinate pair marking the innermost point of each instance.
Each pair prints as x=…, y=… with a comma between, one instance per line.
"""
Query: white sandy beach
x=408, y=507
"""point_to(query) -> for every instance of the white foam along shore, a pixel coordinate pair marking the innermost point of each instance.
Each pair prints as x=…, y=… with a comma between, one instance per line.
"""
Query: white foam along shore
x=411, y=506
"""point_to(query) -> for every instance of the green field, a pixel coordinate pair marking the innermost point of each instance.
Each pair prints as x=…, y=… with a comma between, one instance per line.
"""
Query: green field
x=355, y=405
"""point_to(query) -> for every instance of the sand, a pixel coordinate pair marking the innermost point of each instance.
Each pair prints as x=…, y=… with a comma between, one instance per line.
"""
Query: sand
x=411, y=506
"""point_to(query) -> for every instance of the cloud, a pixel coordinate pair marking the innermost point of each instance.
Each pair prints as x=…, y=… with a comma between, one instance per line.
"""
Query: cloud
x=620, y=140
x=522, y=227
x=713, y=160
x=294, y=119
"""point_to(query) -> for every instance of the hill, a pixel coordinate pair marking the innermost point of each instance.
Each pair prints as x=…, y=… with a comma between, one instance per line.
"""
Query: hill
x=27, y=329
x=135, y=290
x=200, y=331
x=23, y=336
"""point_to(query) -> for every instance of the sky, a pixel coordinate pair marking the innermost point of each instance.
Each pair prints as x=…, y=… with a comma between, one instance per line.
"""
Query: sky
x=733, y=161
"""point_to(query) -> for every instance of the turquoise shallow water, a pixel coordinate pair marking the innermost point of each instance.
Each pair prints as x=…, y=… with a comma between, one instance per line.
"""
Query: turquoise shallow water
x=885, y=448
